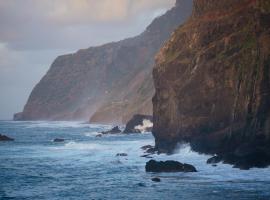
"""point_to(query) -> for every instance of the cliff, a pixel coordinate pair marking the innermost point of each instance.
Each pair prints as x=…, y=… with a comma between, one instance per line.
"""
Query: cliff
x=110, y=83
x=212, y=80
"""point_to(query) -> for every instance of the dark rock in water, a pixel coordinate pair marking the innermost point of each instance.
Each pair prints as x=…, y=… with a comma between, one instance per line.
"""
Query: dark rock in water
x=121, y=154
x=5, y=138
x=141, y=184
x=168, y=166
x=114, y=130
x=139, y=123
x=58, y=140
x=147, y=147
x=156, y=179
x=152, y=150
x=146, y=156
x=99, y=135
x=214, y=160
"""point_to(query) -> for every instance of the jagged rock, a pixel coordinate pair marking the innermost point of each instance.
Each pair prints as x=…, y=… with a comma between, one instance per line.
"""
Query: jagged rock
x=139, y=124
x=212, y=82
x=5, y=138
x=168, y=166
x=114, y=130
x=89, y=83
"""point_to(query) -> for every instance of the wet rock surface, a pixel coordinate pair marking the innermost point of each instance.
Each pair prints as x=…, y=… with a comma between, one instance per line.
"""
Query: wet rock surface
x=156, y=179
x=5, y=138
x=168, y=166
x=59, y=140
x=114, y=130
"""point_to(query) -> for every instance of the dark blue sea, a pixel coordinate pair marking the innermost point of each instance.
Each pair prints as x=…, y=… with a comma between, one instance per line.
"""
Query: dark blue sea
x=86, y=167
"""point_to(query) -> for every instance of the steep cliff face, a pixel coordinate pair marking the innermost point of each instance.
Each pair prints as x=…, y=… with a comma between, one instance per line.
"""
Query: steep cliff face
x=212, y=78
x=110, y=82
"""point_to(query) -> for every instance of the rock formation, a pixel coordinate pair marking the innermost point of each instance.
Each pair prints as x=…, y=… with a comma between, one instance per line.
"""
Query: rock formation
x=212, y=82
x=111, y=82
x=139, y=124
x=168, y=166
x=5, y=138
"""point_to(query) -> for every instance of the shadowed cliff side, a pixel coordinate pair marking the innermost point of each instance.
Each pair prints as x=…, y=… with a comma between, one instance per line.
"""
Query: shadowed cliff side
x=112, y=82
x=212, y=81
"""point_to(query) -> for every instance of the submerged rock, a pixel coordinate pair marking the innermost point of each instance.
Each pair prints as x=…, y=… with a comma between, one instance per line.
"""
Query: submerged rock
x=122, y=154
x=5, y=138
x=139, y=124
x=98, y=135
x=168, y=166
x=114, y=130
x=156, y=179
x=58, y=140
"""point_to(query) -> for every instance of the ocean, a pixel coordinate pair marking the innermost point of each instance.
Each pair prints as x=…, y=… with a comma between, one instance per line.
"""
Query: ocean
x=86, y=167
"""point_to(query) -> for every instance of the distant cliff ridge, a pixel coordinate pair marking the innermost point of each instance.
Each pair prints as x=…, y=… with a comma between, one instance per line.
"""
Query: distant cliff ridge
x=109, y=83
x=212, y=80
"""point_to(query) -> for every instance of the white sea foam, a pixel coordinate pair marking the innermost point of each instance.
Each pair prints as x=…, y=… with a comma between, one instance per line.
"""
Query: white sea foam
x=81, y=146
x=91, y=134
x=146, y=124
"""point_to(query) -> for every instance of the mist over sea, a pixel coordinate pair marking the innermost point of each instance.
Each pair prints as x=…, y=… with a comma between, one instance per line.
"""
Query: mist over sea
x=86, y=167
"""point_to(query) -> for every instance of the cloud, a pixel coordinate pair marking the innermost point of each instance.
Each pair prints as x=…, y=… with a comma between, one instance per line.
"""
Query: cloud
x=70, y=24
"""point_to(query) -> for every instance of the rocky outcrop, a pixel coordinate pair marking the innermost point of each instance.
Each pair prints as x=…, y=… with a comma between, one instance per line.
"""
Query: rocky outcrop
x=110, y=83
x=139, y=124
x=5, y=138
x=212, y=81
x=168, y=166
x=114, y=130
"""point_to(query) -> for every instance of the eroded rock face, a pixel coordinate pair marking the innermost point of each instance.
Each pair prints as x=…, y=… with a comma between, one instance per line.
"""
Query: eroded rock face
x=109, y=83
x=212, y=79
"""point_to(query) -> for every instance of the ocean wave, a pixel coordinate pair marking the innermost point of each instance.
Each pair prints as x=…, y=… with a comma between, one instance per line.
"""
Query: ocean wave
x=72, y=145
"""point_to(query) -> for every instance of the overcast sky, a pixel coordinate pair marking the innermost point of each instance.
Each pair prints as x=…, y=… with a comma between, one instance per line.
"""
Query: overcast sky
x=34, y=32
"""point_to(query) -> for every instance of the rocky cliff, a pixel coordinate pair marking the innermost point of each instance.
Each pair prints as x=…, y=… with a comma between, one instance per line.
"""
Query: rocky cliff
x=110, y=83
x=212, y=80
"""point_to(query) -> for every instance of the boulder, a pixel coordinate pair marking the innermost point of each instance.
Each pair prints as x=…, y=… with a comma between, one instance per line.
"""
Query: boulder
x=58, y=140
x=114, y=130
x=5, y=138
x=168, y=166
x=139, y=124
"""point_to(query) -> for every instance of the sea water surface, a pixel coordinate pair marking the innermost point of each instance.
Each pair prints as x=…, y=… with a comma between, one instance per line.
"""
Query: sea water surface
x=86, y=167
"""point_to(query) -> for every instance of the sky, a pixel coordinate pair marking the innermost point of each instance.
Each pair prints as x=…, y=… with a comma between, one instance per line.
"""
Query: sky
x=34, y=32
